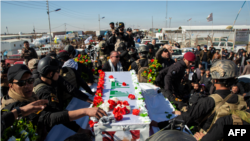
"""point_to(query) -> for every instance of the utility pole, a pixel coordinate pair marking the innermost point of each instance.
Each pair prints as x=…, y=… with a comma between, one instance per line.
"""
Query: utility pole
x=152, y=28
x=49, y=23
x=166, y=14
x=34, y=31
x=7, y=29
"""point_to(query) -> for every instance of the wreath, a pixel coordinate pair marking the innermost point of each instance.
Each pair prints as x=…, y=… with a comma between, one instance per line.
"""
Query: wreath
x=152, y=71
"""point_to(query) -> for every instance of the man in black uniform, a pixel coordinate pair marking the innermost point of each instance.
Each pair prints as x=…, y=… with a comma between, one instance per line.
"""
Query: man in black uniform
x=120, y=36
x=207, y=110
x=163, y=57
x=143, y=61
x=151, y=53
x=110, y=37
x=124, y=56
x=133, y=55
x=20, y=94
x=80, y=67
x=154, y=45
x=172, y=78
x=131, y=42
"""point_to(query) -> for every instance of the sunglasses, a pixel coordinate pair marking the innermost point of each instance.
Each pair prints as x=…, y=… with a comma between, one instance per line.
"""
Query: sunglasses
x=116, y=56
x=23, y=82
x=165, y=50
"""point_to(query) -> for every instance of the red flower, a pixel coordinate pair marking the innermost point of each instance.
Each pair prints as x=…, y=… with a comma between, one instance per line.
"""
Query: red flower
x=124, y=84
x=86, y=60
x=111, y=76
x=131, y=96
x=83, y=57
x=150, y=70
x=126, y=110
x=118, y=117
x=111, y=102
x=152, y=60
x=119, y=102
x=149, y=80
x=79, y=55
x=136, y=112
x=145, y=71
x=119, y=110
x=111, y=107
x=125, y=103
x=91, y=123
x=77, y=59
x=93, y=70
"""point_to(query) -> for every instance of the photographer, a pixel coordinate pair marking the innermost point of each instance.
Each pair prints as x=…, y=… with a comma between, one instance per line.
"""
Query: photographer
x=4, y=80
x=120, y=35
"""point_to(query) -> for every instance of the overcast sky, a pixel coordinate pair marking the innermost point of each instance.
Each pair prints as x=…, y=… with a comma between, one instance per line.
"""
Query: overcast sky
x=21, y=16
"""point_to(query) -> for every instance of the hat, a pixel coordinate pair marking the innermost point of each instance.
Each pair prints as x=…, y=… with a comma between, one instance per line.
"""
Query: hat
x=52, y=55
x=32, y=64
x=205, y=46
x=248, y=60
x=63, y=55
x=129, y=29
x=17, y=71
x=189, y=56
x=192, y=67
x=111, y=23
x=63, y=51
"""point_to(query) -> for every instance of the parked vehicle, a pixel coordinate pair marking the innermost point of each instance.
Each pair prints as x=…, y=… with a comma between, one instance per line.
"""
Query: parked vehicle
x=188, y=49
x=197, y=41
x=19, y=62
x=43, y=50
x=177, y=53
x=164, y=41
x=14, y=58
x=225, y=45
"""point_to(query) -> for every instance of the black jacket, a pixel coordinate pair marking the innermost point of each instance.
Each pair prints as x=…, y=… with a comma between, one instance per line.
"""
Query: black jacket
x=174, y=75
x=217, y=130
x=79, y=80
x=203, y=107
x=166, y=62
x=7, y=119
x=131, y=41
x=124, y=57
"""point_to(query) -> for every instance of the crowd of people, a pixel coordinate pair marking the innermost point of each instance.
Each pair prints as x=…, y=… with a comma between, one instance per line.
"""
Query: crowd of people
x=199, y=84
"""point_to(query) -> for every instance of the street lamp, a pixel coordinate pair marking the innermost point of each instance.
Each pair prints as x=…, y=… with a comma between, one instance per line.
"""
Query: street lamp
x=99, y=22
x=49, y=20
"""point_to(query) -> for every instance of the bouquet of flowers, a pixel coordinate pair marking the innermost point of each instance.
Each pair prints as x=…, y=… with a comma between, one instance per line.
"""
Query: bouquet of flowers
x=91, y=42
x=85, y=60
x=21, y=131
x=152, y=71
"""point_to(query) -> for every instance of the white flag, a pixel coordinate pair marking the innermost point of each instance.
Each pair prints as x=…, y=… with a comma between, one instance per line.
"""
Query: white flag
x=210, y=17
x=88, y=39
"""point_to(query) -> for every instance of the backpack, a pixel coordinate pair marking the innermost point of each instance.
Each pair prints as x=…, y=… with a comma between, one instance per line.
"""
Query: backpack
x=222, y=108
x=141, y=79
x=71, y=78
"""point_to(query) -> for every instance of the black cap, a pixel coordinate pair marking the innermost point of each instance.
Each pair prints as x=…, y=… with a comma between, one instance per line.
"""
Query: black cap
x=63, y=55
x=112, y=23
x=17, y=71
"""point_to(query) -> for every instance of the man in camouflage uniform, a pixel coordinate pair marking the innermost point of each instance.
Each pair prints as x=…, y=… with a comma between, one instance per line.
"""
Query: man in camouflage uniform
x=103, y=51
x=28, y=53
x=120, y=35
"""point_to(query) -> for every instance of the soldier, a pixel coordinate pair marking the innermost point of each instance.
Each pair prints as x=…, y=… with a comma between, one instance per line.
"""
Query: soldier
x=143, y=61
x=110, y=37
x=103, y=52
x=208, y=110
x=124, y=57
x=20, y=94
x=32, y=65
x=154, y=45
x=163, y=57
x=133, y=55
x=131, y=41
x=28, y=53
x=151, y=53
x=172, y=78
x=120, y=35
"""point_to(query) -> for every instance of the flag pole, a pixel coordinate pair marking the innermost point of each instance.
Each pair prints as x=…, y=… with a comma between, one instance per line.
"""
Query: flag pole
x=212, y=27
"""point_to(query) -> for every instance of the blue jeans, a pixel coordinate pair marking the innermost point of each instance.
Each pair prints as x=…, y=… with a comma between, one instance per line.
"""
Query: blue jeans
x=204, y=63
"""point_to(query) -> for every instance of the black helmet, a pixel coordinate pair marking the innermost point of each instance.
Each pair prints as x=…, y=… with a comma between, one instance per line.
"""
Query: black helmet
x=46, y=65
x=103, y=44
x=223, y=69
x=129, y=29
x=143, y=49
x=121, y=24
x=70, y=49
x=100, y=37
